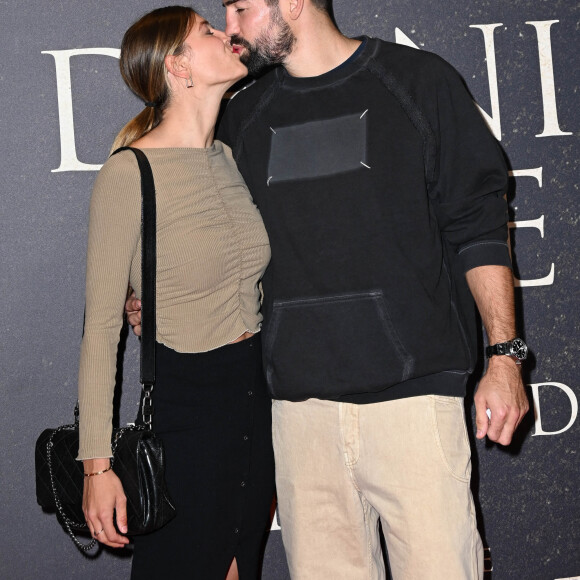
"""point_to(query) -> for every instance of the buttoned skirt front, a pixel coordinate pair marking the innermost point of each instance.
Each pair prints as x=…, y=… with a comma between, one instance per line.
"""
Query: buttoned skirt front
x=213, y=413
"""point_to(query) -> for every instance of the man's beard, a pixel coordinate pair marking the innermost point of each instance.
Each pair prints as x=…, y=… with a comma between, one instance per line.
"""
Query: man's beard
x=268, y=50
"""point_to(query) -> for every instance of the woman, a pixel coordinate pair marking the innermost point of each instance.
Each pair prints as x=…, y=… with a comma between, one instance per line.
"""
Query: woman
x=212, y=410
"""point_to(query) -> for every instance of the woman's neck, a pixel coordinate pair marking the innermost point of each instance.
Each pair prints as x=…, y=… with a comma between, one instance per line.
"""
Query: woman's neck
x=188, y=121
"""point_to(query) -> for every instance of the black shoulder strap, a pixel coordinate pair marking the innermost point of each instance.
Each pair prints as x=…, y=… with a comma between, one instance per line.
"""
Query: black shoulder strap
x=148, y=267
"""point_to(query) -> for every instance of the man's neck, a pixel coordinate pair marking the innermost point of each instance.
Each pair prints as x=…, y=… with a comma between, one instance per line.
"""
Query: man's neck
x=319, y=51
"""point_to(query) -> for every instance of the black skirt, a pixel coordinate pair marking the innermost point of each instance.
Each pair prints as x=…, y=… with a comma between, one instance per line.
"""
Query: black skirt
x=213, y=413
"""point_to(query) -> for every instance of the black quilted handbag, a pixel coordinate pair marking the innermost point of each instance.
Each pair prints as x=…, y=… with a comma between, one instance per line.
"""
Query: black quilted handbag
x=138, y=458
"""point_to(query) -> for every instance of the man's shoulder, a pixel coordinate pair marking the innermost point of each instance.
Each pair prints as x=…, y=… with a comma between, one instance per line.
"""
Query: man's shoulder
x=251, y=92
x=242, y=106
x=408, y=61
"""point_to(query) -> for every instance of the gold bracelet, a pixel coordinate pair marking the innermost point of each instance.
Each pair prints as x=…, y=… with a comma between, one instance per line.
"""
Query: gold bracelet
x=99, y=472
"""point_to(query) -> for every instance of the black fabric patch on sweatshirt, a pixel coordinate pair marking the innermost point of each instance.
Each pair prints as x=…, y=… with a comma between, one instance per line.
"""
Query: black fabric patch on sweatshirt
x=318, y=149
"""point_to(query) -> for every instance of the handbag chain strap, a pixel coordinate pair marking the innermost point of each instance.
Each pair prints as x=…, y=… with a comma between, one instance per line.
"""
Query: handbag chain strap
x=66, y=522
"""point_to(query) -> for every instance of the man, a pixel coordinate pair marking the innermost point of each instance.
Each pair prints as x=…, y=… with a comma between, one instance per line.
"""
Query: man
x=383, y=194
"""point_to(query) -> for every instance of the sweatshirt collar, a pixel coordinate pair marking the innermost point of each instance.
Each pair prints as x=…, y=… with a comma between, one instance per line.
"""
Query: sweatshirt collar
x=358, y=58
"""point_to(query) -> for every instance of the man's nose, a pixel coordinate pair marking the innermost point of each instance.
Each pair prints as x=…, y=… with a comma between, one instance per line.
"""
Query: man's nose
x=231, y=24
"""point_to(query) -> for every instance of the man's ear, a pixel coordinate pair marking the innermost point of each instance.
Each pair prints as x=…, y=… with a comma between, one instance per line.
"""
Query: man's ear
x=177, y=66
x=295, y=8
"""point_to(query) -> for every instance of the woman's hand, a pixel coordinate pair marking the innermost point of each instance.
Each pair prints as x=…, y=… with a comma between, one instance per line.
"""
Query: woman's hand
x=102, y=496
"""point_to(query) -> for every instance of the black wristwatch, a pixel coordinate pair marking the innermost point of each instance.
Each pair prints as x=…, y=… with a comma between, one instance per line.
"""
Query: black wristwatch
x=515, y=348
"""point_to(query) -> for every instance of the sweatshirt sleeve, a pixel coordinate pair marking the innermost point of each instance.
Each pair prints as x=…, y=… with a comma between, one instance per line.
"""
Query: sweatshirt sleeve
x=114, y=233
x=471, y=178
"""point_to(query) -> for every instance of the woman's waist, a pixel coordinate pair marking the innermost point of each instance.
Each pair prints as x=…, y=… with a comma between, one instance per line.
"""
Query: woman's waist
x=229, y=353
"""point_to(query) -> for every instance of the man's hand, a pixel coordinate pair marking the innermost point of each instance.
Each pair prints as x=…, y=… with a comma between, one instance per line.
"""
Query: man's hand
x=133, y=311
x=500, y=390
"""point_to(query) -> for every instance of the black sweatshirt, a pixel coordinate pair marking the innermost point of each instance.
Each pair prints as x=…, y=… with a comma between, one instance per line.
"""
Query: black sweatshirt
x=379, y=185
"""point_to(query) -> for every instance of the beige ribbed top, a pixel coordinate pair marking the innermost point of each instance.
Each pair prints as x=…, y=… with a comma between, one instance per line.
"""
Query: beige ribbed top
x=212, y=250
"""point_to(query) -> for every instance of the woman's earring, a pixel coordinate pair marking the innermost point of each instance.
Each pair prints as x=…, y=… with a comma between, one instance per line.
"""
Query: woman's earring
x=189, y=84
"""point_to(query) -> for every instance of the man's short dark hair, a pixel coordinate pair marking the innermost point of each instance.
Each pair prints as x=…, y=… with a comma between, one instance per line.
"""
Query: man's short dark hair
x=322, y=5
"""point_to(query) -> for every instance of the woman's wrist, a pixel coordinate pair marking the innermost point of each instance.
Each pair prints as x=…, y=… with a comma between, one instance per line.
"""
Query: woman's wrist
x=96, y=466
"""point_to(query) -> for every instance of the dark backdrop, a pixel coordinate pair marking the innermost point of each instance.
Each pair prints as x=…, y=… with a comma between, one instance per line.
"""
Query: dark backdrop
x=63, y=102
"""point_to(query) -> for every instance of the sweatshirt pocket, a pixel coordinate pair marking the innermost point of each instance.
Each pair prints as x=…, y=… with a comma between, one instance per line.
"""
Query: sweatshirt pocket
x=330, y=346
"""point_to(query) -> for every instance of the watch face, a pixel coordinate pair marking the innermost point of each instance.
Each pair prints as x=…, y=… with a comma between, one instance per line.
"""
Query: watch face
x=519, y=349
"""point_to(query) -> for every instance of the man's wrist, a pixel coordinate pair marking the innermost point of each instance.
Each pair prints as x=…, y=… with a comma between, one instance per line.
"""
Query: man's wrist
x=514, y=348
x=505, y=362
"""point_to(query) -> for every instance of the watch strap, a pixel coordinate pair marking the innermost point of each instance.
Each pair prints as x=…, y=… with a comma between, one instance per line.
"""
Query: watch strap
x=500, y=348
